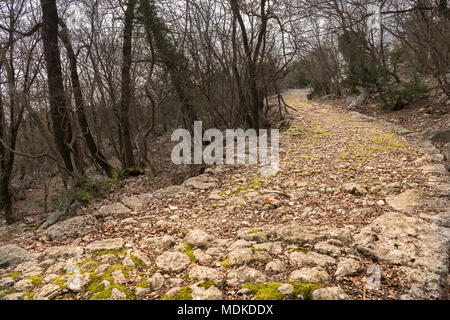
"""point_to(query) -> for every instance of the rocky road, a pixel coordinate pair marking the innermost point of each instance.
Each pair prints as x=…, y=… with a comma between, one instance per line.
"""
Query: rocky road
x=358, y=210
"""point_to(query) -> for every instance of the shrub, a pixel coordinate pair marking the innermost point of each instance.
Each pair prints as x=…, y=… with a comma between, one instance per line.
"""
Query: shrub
x=83, y=190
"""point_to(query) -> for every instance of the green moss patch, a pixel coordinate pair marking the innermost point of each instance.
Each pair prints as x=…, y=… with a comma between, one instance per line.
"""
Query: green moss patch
x=189, y=252
x=14, y=275
x=184, y=294
x=226, y=263
x=265, y=292
x=5, y=293
x=106, y=293
x=35, y=280
x=206, y=284
x=136, y=261
x=302, y=291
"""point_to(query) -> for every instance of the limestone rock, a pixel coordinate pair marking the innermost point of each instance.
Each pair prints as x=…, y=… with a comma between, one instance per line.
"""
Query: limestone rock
x=246, y=255
x=198, y=238
x=402, y=240
x=201, y=293
x=275, y=266
x=311, y=259
x=202, y=182
x=406, y=201
x=171, y=192
x=23, y=285
x=347, y=267
x=6, y=282
x=301, y=235
x=246, y=275
x=105, y=245
x=205, y=273
x=117, y=294
x=159, y=243
x=173, y=261
x=327, y=249
x=13, y=254
x=78, y=282
x=286, y=289
x=156, y=282
x=48, y=292
x=334, y=293
x=117, y=210
x=64, y=252
x=71, y=228
x=441, y=136
x=354, y=189
x=317, y=274
x=134, y=202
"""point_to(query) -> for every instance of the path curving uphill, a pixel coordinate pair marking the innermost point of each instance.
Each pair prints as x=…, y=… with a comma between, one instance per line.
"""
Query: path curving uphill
x=360, y=209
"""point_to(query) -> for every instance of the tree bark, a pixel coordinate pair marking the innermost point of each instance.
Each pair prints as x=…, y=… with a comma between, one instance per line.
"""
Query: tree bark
x=124, y=112
x=96, y=153
x=62, y=129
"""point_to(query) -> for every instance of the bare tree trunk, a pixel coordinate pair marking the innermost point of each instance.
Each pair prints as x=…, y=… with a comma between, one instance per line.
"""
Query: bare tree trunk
x=124, y=112
x=62, y=129
x=96, y=153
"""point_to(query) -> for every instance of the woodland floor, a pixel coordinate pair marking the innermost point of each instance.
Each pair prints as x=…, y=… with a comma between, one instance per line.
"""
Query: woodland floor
x=322, y=151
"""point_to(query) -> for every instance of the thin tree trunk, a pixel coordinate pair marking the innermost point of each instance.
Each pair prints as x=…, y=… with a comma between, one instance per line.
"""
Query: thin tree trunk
x=124, y=112
x=96, y=153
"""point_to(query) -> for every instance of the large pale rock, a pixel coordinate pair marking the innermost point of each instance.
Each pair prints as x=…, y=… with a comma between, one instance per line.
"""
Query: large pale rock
x=436, y=169
x=328, y=249
x=347, y=267
x=402, y=240
x=441, y=136
x=242, y=256
x=78, y=282
x=6, y=282
x=205, y=273
x=272, y=247
x=317, y=275
x=159, y=243
x=259, y=235
x=198, y=238
x=117, y=210
x=334, y=293
x=201, y=293
x=425, y=285
x=171, y=192
x=202, y=182
x=275, y=266
x=105, y=245
x=64, y=252
x=355, y=189
x=246, y=275
x=134, y=202
x=301, y=235
x=71, y=228
x=311, y=259
x=156, y=281
x=48, y=292
x=23, y=285
x=406, y=201
x=173, y=261
x=12, y=254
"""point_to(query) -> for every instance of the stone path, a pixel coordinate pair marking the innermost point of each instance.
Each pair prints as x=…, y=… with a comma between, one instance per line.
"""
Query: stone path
x=359, y=209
